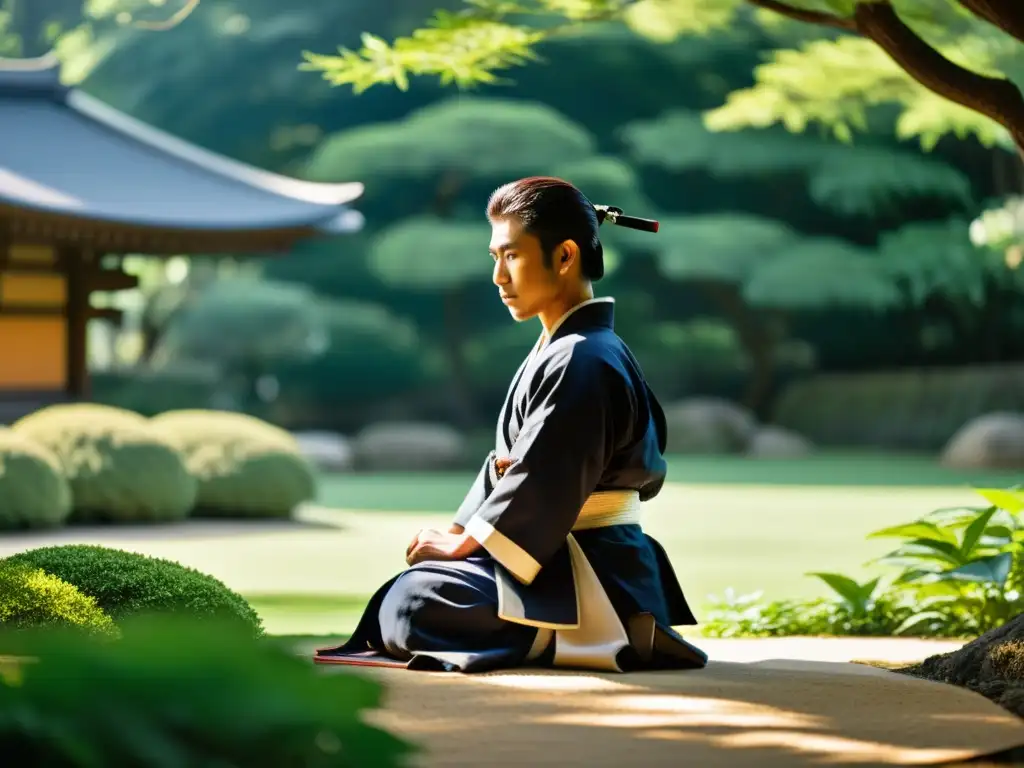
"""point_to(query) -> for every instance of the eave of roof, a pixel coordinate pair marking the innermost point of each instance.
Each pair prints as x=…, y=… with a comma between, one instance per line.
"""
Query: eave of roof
x=64, y=153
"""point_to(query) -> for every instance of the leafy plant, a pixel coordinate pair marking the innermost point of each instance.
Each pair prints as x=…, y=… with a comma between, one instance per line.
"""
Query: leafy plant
x=751, y=616
x=963, y=565
x=961, y=573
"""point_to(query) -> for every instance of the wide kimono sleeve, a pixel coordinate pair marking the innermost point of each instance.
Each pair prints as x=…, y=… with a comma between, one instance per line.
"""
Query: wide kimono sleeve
x=558, y=458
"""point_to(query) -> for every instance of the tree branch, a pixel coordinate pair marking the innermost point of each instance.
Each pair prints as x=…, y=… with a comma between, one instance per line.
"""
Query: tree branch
x=995, y=98
x=808, y=17
x=1008, y=15
x=175, y=19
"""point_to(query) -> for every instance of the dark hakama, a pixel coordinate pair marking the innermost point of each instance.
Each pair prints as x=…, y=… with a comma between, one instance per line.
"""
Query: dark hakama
x=586, y=437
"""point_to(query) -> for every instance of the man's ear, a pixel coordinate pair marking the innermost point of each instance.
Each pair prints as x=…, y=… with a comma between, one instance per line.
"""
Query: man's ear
x=566, y=254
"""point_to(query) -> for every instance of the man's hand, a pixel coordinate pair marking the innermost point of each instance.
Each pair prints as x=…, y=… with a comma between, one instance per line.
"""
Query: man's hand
x=431, y=544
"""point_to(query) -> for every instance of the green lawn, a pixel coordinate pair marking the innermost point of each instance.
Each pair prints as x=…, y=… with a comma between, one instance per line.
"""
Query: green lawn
x=403, y=492
x=724, y=522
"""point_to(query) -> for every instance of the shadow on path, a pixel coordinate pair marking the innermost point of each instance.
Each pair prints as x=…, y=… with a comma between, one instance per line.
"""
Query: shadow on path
x=767, y=714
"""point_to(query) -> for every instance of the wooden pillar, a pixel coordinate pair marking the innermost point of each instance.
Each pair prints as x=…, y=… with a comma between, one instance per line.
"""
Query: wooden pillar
x=73, y=262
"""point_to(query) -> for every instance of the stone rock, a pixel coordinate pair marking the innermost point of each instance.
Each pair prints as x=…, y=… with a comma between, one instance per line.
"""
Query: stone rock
x=709, y=425
x=992, y=665
x=410, y=446
x=778, y=443
x=328, y=451
x=992, y=441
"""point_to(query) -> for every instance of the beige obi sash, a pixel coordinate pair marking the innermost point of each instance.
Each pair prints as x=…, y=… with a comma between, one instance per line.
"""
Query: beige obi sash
x=598, y=635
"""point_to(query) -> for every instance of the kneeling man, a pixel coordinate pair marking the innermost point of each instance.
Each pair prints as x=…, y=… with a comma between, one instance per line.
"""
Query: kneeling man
x=546, y=562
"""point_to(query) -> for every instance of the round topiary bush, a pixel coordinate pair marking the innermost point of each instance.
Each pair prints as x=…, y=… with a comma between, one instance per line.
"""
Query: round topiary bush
x=33, y=492
x=126, y=584
x=30, y=597
x=119, y=468
x=245, y=466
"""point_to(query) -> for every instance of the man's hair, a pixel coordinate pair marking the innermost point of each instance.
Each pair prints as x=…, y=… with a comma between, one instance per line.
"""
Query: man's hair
x=553, y=211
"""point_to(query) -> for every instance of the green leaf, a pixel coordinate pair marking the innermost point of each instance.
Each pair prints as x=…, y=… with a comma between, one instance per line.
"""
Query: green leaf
x=974, y=532
x=834, y=83
x=666, y=20
x=929, y=550
x=919, y=618
x=919, y=529
x=374, y=43
x=1000, y=533
x=854, y=594
x=1010, y=500
x=937, y=593
x=994, y=570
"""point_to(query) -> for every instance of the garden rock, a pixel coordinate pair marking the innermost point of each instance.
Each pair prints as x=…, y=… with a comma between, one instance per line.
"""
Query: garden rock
x=778, y=443
x=992, y=665
x=992, y=441
x=410, y=446
x=709, y=426
x=326, y=450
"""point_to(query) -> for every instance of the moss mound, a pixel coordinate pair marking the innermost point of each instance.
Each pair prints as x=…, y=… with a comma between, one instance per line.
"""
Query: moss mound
x=33, y=491
x=126, y=584
x=118, y=467
x=30, y=598
x=245, y=466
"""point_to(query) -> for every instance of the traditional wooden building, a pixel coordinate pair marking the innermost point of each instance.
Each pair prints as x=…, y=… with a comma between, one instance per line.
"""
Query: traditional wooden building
x=81, y=182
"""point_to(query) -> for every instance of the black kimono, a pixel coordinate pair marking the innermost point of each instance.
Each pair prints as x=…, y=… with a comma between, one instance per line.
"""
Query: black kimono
x=566, y=576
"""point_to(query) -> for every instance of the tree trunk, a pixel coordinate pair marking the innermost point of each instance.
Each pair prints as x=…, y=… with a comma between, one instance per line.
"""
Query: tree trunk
x=26, y=23
x=756, y=339
x=992, y=665
x=463, y=396
x=446, y=196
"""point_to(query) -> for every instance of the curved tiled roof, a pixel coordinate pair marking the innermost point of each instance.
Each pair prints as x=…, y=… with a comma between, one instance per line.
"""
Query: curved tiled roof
x=63, y=152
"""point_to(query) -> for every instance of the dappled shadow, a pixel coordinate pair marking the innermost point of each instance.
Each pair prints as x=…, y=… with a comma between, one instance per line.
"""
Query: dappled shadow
x=764, y=714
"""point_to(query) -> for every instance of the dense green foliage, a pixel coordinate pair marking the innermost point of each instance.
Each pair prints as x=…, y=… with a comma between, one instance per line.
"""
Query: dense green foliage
x=126, y=584
x=31, y=598
x=912, y=410
x=118, y=468
x=184, y=693
x=33, y=490
x=959, y=572
x=245, y=467
x=401, y=323
x=835, y=82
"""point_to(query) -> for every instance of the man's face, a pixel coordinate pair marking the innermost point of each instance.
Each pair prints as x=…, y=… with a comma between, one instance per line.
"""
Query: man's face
x=525, y=284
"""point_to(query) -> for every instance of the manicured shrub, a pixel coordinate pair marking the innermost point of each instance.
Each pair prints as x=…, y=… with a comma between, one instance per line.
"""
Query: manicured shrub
x=119, y=468
x=30, y=597
x=245, y=467
x=126, y=584
x=33, y=491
